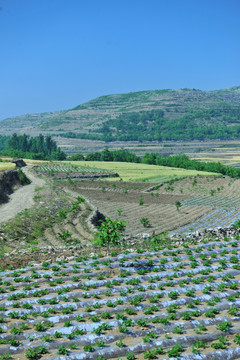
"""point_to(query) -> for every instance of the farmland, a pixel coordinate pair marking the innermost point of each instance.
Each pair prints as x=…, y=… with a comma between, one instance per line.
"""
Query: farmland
x=143, y=172
x=143, y=304
x=153, y=297
x=152, y=194
x=211, y=202
x=71, y=170
x=6, y=166
x=151, y=199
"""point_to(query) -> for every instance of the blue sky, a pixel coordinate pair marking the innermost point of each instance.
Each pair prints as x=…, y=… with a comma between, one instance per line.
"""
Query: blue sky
x=56, y=54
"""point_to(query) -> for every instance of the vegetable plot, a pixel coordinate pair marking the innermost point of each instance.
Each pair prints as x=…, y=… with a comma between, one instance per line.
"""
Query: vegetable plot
x=172, y=302
x=227, y=212
x=68, y=170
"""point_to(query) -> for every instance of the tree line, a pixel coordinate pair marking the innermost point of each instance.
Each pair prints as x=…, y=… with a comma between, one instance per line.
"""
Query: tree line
x=4, y=142
x=38, y=147
x=184, y=162
x=44, y=148
x=178, y=161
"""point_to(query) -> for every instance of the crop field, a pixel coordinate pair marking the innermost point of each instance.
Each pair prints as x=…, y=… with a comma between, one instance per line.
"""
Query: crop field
x=68, y=168
x=64, y=170
x=177, y=300
x=205, y=202
x=6, y=166
x=143, y=172
x=226, y=156
x=222, y=195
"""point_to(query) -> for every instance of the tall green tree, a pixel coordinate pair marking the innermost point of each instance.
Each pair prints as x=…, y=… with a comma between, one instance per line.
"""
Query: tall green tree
x=110, y=233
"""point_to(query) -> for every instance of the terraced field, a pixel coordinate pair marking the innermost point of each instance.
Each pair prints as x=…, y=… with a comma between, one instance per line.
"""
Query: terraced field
x=68, y=170
x=179, y=300
x=75, y=229
x=221, y=194
x=204, y=203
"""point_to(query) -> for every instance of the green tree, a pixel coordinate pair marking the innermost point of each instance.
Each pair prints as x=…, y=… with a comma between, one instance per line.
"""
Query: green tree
x=106, y=155
x=110, y=232
x=13, y=142
x=40, y=143
x=76, y=157
x=178, y=205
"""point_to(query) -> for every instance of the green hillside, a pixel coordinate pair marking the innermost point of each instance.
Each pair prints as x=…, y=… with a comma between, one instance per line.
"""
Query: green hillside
x=141, y=116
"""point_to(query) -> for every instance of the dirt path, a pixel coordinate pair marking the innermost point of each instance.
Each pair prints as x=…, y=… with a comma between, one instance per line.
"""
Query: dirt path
x=22, y=198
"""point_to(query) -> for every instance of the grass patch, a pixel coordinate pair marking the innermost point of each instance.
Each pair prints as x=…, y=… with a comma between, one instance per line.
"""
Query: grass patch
x=143, y=172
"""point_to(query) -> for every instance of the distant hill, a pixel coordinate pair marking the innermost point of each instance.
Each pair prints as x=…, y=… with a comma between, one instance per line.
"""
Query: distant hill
x=145, y=115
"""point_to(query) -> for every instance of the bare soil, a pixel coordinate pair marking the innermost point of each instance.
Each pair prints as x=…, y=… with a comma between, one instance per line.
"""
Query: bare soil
x=122, y=200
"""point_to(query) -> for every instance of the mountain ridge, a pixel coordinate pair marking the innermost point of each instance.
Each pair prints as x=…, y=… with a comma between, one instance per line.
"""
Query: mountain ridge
x=87, y=119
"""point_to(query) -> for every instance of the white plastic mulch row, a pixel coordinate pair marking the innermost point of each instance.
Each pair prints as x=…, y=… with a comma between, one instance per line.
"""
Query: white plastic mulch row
x=131, y=262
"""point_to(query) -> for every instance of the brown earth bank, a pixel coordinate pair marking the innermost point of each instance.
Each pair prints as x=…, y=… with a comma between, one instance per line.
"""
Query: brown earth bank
x=9, y=181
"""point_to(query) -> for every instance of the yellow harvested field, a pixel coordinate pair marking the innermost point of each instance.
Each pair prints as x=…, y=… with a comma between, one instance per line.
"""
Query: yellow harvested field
x=6, y=166
x=224, y=161
x=142, y=147
x=142, y=172
x=38, y=162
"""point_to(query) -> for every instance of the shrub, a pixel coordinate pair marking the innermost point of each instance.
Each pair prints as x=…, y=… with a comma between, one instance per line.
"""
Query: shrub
x=145, y=222
x=148, y=337
x=120, y=343
x=178, y=329
x=233, y=310
x=211, y=312
x=88, y=348
x=175, y=351
x=221, y=344
x=5, y=356
x=15, y=331
x=200, y=328
x=173, y=295
x=233, y=259
x=152, y=354
x=34, y=353
x=224, y=326
x=190, y=293
x=62, y=214
x=58, y=334
x=62, y=350
x=237, y=339
x=197, y=346
x=130, y=356
x=186, y=315
x=164, y=321
x=123, y=329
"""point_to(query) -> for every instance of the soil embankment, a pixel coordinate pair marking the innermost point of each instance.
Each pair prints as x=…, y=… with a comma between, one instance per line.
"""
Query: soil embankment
x=9, y=181
x=19, y=199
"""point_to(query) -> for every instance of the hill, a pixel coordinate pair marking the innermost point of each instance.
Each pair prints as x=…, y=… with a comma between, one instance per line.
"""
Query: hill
x=141, y=116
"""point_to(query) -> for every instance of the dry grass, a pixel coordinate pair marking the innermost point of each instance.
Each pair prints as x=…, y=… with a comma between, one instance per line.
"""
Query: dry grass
x=6, y=166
